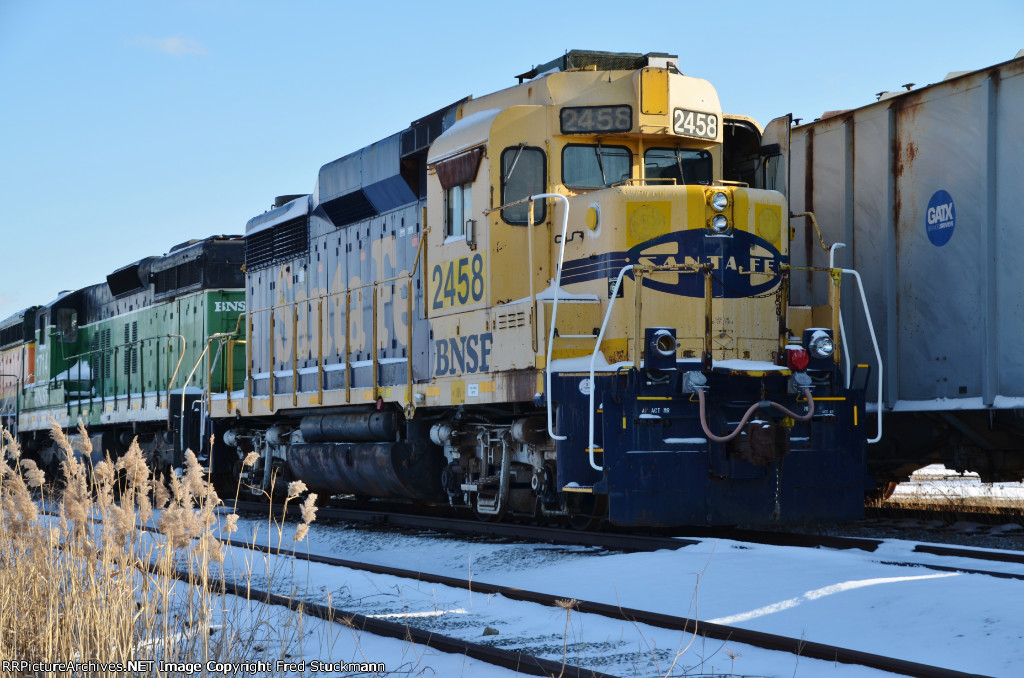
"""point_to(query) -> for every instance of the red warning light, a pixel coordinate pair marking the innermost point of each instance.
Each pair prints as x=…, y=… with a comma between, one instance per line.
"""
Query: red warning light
x=797, y=359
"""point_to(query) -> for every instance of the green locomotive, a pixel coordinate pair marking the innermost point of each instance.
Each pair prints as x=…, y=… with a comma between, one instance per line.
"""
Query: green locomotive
x=129, y=357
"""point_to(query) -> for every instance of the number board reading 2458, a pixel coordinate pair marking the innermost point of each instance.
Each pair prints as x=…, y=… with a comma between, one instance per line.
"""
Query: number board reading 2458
x=590, y=119
x=695, y=123
x=458, y=282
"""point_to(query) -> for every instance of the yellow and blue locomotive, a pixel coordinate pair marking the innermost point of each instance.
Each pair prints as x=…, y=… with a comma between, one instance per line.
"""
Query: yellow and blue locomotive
x=566, y=298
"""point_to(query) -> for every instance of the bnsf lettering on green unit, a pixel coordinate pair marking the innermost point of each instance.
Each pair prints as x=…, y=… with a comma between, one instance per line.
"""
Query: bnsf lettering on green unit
x=226, y=306
x=467, y=354
x=458, y=282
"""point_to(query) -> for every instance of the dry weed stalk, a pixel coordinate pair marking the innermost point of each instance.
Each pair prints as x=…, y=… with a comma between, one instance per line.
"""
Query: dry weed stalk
x=86, y=583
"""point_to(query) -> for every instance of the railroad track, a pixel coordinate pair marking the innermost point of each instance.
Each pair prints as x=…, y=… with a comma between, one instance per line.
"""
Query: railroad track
x=646, y=542
x=949, y=513
x=611, y=539
x=533, y=665
x=520, y=662
x=795, y=646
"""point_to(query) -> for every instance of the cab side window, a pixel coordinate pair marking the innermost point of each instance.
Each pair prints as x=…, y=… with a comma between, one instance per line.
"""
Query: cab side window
x=523, y=173
x=458, y=206
x=457, y=175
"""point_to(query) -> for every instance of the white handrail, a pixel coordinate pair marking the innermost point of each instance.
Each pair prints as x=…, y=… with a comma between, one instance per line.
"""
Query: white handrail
x=554, y=308
x=874, y=344
x=593, y=359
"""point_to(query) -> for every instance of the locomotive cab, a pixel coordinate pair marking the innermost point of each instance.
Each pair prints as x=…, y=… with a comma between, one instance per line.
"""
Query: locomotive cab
x=655, y=241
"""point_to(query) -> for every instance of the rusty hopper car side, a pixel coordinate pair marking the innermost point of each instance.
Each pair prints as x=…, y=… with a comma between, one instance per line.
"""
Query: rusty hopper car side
x=923, y=187
x=567, y=298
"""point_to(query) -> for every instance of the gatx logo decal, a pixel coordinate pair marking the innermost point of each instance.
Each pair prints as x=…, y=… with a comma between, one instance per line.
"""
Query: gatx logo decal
x=742, y=264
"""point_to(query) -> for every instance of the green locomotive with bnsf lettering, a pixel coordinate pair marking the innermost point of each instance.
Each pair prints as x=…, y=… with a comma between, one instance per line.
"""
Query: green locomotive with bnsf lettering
x=128, y=357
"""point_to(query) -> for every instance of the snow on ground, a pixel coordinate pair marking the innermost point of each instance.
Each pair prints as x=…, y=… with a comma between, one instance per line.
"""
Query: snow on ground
x=853, y=599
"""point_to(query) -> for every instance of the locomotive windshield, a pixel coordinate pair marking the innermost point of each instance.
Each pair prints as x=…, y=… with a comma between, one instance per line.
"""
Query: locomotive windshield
x=595, y=166
x=686, y=166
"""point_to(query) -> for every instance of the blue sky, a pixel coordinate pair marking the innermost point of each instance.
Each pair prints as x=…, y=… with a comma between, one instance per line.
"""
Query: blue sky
x=127, y=127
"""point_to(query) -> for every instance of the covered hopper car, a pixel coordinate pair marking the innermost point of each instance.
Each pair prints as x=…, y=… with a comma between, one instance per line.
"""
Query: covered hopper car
x=923, y=188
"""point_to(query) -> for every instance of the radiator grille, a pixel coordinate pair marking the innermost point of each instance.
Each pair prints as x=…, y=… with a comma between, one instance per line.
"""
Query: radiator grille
x=287, y=240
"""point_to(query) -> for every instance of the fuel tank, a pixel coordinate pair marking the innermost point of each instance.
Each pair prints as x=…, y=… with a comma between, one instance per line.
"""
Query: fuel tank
x=350, y=428
x=398, y=470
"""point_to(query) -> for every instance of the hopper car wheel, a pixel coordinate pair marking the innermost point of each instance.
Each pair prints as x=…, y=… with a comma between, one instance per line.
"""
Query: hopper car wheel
x=587, y=511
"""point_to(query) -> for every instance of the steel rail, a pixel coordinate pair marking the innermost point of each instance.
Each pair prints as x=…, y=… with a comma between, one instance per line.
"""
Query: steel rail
x=768, y=641
x=976, y=554
x=537, y=666
x=623, y=542
x=606, y=539
x=988, y=515
x=509, y=659
x=633, y=542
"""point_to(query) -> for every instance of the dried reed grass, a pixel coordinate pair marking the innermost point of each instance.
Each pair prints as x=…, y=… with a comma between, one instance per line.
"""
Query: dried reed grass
x=84, y=583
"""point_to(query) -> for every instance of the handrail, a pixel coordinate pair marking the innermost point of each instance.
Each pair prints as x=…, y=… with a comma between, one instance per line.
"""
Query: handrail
x=554, y=307
x=184, y=386
x=111, y=352
x=874, y=344
x=15, y=390
x=375, y=286
x=871, y=331
x=593, y=359
x=604, y=325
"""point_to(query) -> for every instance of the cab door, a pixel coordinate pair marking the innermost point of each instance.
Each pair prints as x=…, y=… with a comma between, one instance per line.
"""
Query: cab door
x=774, y=174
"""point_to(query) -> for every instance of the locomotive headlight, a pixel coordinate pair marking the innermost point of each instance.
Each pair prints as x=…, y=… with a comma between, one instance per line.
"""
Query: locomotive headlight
x=821, y=345
x=719, y=223
x=719, y=201
x=661, y=348
x=663, y=343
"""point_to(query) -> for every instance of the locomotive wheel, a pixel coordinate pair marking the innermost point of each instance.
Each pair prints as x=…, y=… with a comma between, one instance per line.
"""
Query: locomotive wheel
x=489, y=517
x=587, y=511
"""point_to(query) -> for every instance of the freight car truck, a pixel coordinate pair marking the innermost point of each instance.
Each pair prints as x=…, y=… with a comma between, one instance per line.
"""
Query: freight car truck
x=924, y=189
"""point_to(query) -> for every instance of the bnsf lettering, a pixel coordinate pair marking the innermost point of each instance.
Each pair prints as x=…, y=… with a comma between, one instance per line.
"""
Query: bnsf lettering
x=940, y=214
x=467, y=354
x=223, y=306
